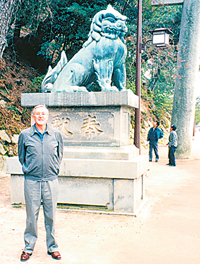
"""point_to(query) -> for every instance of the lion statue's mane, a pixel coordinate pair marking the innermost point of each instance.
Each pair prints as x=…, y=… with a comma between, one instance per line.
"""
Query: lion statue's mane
x=101, y=59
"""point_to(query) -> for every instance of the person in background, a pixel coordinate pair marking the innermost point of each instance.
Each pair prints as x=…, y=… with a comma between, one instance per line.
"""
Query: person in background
x=172, y=146
x=154, y=134
x=40, y=151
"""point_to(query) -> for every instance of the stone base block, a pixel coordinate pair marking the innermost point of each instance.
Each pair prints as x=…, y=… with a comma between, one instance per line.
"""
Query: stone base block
x=117, y=185
x=114, y=153
x=117, y=169
x=115, y=195
x=17, y=189
x=80, y=99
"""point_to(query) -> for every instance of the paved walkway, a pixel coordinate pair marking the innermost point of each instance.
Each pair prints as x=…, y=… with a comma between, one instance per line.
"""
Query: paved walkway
x=166, y=230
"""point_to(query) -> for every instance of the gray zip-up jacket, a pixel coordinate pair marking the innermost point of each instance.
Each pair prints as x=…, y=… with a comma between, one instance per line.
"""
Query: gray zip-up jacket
x=40, y=159
x=173, y=139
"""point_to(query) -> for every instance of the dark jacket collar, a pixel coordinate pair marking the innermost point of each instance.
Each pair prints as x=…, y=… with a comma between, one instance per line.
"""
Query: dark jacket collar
x=34, y=130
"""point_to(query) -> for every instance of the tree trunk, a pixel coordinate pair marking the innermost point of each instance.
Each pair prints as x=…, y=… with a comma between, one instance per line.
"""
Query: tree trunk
x=6, y=11
x=187, y=76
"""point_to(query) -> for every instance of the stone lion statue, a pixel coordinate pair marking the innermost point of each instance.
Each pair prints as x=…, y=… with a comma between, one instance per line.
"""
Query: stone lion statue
x=101, y=59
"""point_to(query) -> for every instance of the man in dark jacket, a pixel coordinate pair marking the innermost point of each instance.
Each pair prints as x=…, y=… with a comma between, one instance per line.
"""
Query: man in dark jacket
x=172, y=146
x=40, y=150
x=155, y=133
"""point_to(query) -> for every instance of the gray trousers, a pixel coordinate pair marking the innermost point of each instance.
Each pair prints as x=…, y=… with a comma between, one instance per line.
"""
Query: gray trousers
x=36, y=192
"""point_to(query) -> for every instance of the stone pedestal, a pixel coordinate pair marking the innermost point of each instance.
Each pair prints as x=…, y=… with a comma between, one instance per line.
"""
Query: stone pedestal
x=99, y=168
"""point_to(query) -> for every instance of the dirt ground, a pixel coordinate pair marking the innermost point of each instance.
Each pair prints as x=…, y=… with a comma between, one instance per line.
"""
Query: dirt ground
x=165, y=231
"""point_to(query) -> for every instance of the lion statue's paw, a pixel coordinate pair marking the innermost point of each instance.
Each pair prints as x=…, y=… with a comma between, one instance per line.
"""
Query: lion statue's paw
x=110, y=89
x=79, y=89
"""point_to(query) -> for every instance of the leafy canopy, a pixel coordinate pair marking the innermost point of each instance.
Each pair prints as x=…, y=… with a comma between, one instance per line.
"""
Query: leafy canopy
x=64, y=25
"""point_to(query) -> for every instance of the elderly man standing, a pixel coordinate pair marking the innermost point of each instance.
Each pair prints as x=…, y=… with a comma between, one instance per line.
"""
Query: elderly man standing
x=40, y=150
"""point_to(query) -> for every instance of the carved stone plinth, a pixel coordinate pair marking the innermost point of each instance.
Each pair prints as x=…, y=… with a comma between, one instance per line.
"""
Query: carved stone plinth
x=89, y=119
x=99, y=167
x=92, y=126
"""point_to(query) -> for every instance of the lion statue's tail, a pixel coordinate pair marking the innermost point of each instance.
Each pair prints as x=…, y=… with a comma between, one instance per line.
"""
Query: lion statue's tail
x=52, y=74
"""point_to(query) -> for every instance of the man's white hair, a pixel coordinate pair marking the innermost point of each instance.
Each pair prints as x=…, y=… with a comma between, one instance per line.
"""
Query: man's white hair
x=38, y=106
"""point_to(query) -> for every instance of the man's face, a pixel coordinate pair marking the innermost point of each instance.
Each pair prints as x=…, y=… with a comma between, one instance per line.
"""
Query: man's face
x=155, y=124
x=40, y=116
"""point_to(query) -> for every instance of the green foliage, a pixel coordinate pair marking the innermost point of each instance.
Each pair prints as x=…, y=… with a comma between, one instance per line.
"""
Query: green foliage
x=30, y=13
x=35, y=86
x=64, y=25
x=197, y=111
x=26, y=114
x=158, y=64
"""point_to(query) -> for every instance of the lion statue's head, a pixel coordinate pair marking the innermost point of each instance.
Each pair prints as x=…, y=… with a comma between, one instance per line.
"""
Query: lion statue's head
x=107, y=23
